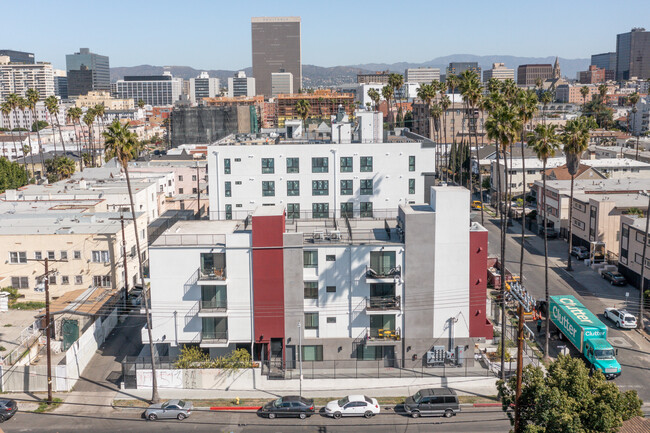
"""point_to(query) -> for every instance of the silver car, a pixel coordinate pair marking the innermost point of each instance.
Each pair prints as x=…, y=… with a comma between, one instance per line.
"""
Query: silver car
x=179, y=409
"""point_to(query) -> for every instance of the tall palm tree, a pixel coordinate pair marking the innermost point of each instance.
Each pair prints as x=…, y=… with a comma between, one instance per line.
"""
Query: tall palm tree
x=53, y=108
x=32, y=99
x=452, y=84
x=5, y=109
x=302, y=109
x=633, y=99
x=121, y=144
x=396, y=81
x=23, y=105
x=99, y=111
x=89, y=119
x=545, y=142
x=374, y=95
x=584, y=91
x=387, y=92
x=436, y=112
x=74, y=115
x=471, y=89
x=547, y=98
x=12, y=102
x=576, y=140
x=602, y=91
x=445, y=103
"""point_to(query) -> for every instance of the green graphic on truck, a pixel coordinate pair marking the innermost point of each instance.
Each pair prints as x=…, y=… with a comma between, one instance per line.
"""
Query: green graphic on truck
x=586, y=332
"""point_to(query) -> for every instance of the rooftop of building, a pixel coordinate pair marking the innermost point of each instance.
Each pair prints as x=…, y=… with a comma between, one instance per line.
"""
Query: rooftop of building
x=199, y=233
x=48, y=224
x=534, y=163
x=598, y=186
x=43, y=206
x=621, y=200
x=84, y=302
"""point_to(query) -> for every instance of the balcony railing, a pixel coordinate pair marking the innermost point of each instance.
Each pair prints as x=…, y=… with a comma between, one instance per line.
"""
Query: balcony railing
x=381, y=303
x=384, y=272
x=214, y=305
x=212, y=274
x=212, y=337
x=384, y=334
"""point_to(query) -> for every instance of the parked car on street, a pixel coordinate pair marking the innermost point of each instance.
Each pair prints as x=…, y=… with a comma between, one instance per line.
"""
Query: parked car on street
x=352, y=405
x=580, y=253
x=432, y=401
x=179, y=409
x=614, y=278
x=621, y=318
x=8, y=408
x=289, y=406
x=477, y=205
x=551, y=233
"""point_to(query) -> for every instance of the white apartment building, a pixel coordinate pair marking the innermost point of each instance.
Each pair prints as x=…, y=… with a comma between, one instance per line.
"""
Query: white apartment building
x=640, y=120
x=362, y=93
x=241, y=85
x=281, y=82
x=18, y=77
x=318, y=180
x=203, y=87
x=422, y=75
x=25, y=119
x=498, y=72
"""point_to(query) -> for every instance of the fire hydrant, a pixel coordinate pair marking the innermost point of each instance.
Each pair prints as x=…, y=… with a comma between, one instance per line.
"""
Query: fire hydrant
x=237, y=401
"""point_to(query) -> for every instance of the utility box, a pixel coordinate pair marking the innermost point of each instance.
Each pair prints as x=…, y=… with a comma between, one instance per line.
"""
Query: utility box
x=460, y=355
x=436, y=356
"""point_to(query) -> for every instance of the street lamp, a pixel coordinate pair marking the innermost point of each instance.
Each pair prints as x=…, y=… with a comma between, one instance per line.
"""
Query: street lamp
x=645, y=245
x=300, y=354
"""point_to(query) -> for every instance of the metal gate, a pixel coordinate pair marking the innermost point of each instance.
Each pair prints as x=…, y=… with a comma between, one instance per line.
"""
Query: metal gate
x=129, y=372
x=70, y=330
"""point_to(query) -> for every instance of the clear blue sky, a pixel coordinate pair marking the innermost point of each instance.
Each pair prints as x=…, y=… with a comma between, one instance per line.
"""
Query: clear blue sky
x=216, y=34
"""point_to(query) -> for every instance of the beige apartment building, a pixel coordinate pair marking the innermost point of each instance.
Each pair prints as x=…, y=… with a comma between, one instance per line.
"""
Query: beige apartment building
x=631, y=249
x=104, y=98
x=85, y=249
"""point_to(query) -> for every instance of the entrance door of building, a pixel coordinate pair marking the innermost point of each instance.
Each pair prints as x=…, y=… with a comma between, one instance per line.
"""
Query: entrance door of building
x=389, y=356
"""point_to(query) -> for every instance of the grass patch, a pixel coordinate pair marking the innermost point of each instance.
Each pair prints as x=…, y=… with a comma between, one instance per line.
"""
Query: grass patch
x=2, y=348
x=471, y=399
x=29, y=305
x=44, y=407
x=8, y=325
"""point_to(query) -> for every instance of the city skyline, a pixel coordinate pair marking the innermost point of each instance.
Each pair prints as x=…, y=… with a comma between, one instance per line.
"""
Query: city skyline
x=220, y=35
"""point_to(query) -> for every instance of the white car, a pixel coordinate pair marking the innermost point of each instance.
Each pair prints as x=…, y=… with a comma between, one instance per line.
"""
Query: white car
x=622, y=318
x=353, y=405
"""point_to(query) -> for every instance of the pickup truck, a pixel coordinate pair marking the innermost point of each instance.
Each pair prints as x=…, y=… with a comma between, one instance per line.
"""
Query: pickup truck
x=586, y=332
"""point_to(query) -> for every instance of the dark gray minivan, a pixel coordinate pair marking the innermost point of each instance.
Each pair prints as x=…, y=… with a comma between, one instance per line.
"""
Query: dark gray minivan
x=433, y=401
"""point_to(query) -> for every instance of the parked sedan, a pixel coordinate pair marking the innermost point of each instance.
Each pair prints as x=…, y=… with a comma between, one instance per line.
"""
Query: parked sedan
x=621, y=318
x=289, y=406
x=580, y=253
x=614, y=278
x=352, y=405
x=8, y=408
x=179, y=409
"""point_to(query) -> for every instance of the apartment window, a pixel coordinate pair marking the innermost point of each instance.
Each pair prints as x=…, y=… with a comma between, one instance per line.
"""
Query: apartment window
x=228, y=189
x=100, y=257
x=312, y=353
x=330, y=289
x=18, y=257
x=382, y=262
x=293, y=210
x=320, y=187
x=50, y=255
x=180, y=177
x=320, y=210
x=64, y=255
x=365, y=210
x=311, y=320
x=194, y=191
x=331, y=320
x=77, y=255
x=579, y=224
x=579, y=206
x=411, y=186
x=293, y=165
x=347, y=210
x=311, y=289
x=102, y=280
x=193, y=178
x=20, y=282
x=319, y=165
x=366, y=187
x=78, y=279
x=366, y=163
x=268, y=165
x=180, y=190
x=238, y=182
x=268, y=188
x=38, y=255
x=346, y=164
x=52, y=279
x=412, y=163
x=310, y=259
x=65, y=279
x=226, y=166
x=346, y=187
x=228, y=211
x=237, y=159
x=293, y=187
x=330, y=258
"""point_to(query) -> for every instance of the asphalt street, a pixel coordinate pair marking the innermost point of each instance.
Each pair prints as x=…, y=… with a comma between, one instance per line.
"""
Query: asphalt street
x=470, y=420
x=584, y=283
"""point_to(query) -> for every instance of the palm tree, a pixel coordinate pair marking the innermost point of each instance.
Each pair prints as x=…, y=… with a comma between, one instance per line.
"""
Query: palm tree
x=32, y=98
x=141, y=103
x=99, y=111
x=12, y=102
x=52, y=105
x=584, y=91
x=435, y=112
x=445, y=102
x=121, y=144
x=452, y=84
x=602, y=91
x=387, y=93
x=374, y=95
x=632, y=100
x=302, y=109
x=89, y=119
x=547, y=98
x=5, y=109
x=23, y=105
x=64, y=167
x=426, y=92
x=576, y=141
x=74, y=115
x=396, y=81
x=471, y=89
x=544, y=142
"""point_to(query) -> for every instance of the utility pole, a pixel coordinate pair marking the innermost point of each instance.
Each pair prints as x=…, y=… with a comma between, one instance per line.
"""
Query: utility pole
x=300, y=355
x=126, y=276
x=198, y=191
x=48, y=331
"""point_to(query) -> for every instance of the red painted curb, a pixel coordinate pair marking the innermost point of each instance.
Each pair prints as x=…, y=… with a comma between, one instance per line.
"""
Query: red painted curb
x=487, y=404
x=235, y=407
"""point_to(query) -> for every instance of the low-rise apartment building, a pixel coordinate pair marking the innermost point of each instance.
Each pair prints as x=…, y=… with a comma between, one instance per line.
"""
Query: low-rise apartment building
x=85, y=249
x=319, y=180
x=631, y=250
x=348, y=288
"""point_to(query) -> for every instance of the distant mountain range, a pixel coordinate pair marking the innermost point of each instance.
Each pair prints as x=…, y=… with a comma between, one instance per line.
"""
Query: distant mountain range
x=315, y=76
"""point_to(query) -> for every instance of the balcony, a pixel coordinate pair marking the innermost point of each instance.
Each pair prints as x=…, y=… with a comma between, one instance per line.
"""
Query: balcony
x=212, y=275
x=379, y=336
x=214, y=338
x=212, y=308
x=213, y=268
x=383, y=272
x=383, y=303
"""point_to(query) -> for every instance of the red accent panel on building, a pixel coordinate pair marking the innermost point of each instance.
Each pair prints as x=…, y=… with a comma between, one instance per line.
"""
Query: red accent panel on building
x=479, y=326
x=268, y=277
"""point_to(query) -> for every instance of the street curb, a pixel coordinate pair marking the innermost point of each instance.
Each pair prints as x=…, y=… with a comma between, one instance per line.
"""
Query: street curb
x=235, y=408
x=643, y=334
x=487, y=404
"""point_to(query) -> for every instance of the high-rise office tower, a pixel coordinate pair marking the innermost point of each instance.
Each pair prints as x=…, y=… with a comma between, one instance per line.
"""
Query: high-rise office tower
x=60, y=84
x=87, y=71
x=457, y=68
x=276, y=48
x=633, y=54
x=421, y=75
x=154, y=90
x=241, y=85
x=203, y=87
x=18, y=56
x=498, y=72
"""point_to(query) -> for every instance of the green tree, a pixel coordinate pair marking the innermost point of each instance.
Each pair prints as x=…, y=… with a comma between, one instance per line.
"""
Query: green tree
x=23, y=105
x=445, y=103
x=52, y=105
x=374, y=95
x=12, y=175
x=39, y=125
x=74, y=115
x=5, y=109
x=302, y=109
x=99, y=110
x=89, y=120
x=576, y=140
x=122, y=144
x=547, y=98
x=471, y=90
x=544, y=142
x=14, y=103
x=567, y=399
x=584, y=91
x=387, y=92
x=396, y=81
x=33, y=97
x=60, y=167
